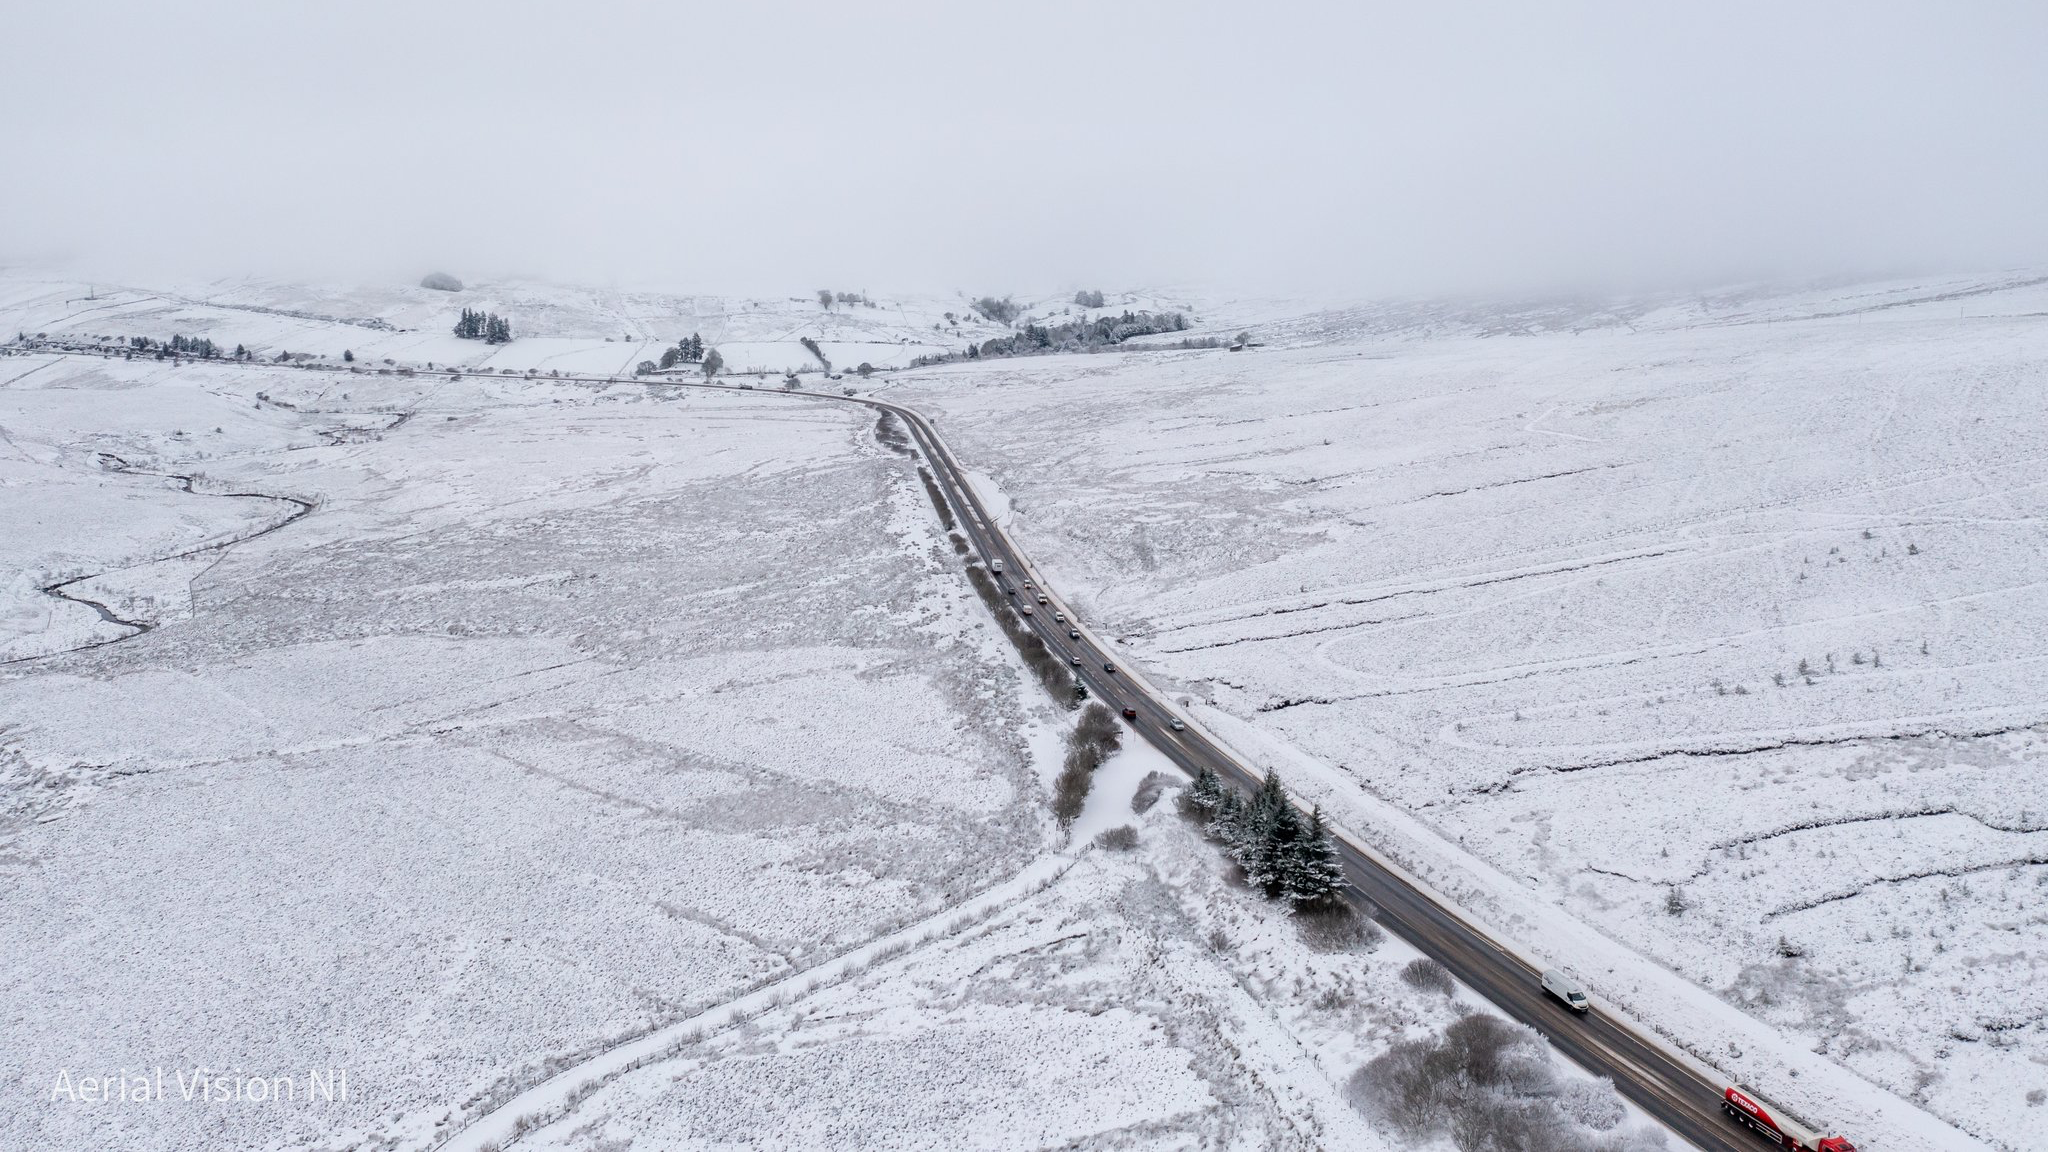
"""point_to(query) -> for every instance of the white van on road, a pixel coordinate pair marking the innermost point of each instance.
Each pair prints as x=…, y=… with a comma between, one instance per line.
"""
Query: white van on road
x=1566, y=989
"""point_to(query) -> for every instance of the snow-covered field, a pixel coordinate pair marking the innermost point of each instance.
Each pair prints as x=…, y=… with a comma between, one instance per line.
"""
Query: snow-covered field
x=454, y=733
x=1140, y=1000
x=566, y=712
x=1716, y=625
x=571, y=711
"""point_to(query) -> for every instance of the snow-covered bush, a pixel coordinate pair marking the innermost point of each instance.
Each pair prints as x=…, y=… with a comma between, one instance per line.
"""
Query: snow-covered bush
x=1428, y=975
x=1121, y=838
x=1339, y=928
x=999, y=311
x=1490, y=1085
x=1094, y=739
x=1150, y=789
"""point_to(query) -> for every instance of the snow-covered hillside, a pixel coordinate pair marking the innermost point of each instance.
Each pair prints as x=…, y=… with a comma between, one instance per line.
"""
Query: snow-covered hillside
x=557, y=327
x=1715, y=624
x=458, y=734
x=573, y=710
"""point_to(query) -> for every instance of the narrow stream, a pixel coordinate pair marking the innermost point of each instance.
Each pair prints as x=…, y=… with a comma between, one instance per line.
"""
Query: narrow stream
x=114, y=463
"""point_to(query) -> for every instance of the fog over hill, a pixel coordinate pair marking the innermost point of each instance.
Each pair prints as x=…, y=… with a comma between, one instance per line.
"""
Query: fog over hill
x=1388, y=149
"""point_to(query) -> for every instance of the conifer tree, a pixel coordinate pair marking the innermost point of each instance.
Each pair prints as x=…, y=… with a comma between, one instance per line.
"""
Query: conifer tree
x=1260, y=810
x=1314, y=874
x=1207, y=792
x=1266, y=848
x=1223, y=825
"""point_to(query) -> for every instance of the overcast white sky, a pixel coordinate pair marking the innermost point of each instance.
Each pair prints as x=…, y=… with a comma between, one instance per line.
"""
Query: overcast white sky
x=756, y=145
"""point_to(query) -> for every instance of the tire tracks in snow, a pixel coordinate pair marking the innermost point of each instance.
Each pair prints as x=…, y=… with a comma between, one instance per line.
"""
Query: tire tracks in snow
x=510, y=1120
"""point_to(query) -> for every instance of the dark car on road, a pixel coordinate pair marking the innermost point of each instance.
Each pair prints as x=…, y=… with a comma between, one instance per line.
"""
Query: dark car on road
x=1109, y=668
x=1130, y=713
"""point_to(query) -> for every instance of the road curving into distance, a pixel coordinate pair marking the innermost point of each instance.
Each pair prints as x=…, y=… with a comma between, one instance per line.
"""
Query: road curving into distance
x=1674, y=1089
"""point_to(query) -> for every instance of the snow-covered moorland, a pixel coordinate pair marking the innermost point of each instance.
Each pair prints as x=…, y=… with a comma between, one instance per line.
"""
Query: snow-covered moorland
x=526, y=716
x=1715, y=626
x=1141, y=999
x=567, y=711
x=473, y=737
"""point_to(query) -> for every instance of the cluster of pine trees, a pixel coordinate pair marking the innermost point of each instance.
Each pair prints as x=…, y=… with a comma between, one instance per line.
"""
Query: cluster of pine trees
x=195, y=346
x=1074, y=336
x=488, y=327
x=688, y=350
x=1282, y=854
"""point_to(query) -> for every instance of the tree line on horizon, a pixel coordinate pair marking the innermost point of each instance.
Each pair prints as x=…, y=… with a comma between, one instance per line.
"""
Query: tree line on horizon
x=1073, y=336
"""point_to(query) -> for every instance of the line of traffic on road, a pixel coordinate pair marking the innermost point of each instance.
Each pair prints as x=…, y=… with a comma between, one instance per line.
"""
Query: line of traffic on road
x=1693, y=1102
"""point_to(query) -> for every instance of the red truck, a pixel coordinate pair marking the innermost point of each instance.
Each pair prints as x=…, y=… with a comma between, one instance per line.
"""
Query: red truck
x=1781, y=1130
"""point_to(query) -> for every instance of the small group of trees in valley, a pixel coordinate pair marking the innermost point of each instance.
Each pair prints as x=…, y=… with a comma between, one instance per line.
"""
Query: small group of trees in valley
x=1074, y=336
x=198, y=347
x=1088, y=298
x=712, y=362
x=827, y=298
x=488, y=327
x=1283, y=854
x=998, y=311
x=688, y=350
